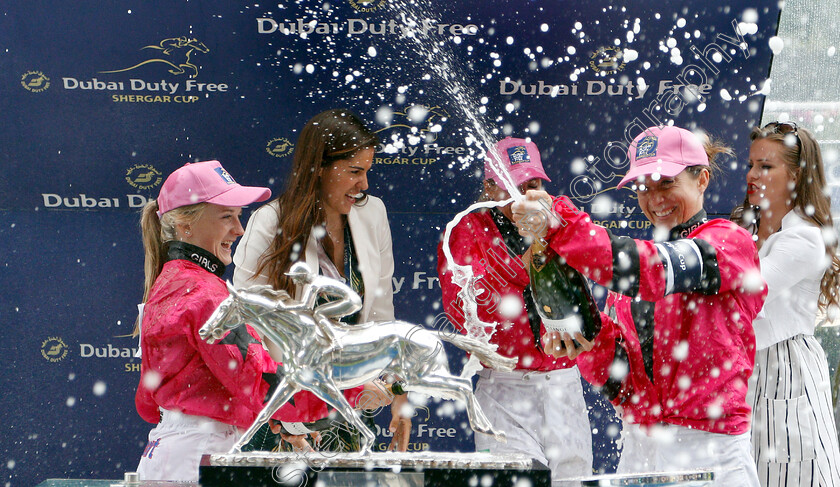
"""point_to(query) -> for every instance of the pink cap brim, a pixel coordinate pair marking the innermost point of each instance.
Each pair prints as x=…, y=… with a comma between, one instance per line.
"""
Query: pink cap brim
x=520, y=177
x=241, y=196
x=663, y=168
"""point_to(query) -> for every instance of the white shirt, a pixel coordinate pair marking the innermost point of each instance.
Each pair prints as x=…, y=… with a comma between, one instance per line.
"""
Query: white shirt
x=371, y=236
x=793, y=261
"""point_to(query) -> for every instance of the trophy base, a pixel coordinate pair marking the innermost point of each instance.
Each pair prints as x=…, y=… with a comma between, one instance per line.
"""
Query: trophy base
x=700, y=478
x=329, y=469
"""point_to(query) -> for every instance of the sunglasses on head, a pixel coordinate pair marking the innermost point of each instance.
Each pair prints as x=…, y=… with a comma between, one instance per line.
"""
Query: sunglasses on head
x=784, y=128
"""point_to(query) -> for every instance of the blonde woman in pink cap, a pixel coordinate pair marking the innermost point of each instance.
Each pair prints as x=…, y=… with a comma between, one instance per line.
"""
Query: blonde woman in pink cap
x=540, y=404
x=677, y=347
x=199, y=395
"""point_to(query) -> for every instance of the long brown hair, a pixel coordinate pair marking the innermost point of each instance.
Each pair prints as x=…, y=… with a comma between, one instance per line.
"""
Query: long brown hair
x=328, y=137
x=804, y=163
x=156, y=232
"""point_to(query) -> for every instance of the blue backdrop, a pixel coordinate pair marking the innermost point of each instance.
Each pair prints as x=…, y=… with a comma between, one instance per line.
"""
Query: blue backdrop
x=101, y=100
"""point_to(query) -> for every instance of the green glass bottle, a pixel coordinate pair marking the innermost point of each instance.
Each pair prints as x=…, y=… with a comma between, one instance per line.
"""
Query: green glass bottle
x=562, y=295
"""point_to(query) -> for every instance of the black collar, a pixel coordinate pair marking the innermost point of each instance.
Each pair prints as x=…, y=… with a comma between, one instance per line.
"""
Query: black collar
x=684, y=229
x=176, y=250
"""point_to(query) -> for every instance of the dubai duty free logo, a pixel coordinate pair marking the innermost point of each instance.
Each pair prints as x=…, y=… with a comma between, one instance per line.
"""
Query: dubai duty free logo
x=54, y=349
x=421, y=122
x=367, y=5
x=143, y=176
x=408, y=137
x=607, y=60
x=178, y=52
x=279, y=147
x=34, y=81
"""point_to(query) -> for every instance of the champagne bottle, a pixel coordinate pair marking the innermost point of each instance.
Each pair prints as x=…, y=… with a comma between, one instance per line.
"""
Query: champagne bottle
x=562, y=295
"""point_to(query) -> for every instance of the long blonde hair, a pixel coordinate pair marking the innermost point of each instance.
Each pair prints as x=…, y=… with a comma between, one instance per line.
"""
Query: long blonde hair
x=804, y=163
x=157, y=232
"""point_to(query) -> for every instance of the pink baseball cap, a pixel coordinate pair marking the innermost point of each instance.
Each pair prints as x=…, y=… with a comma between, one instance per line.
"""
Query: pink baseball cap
x=521, y=159
x=206, y=182
x=666, y=151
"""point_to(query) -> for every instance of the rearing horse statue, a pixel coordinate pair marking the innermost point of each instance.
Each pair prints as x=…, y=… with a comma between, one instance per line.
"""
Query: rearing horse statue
x=323, y=356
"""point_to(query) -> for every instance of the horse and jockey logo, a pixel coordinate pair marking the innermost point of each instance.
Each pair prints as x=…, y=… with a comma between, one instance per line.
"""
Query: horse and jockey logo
x=422, y=121
x=179, y=51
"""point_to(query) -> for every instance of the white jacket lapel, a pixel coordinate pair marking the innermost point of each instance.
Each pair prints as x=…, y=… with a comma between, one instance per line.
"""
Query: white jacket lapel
x=368, y=261
x=311, y=256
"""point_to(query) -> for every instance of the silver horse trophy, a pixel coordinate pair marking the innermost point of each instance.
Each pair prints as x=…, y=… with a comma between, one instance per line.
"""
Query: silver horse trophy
x=323, y=356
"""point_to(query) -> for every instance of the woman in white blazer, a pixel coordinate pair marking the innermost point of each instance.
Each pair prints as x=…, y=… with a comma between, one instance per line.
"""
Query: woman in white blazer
x=368, y=225
x=794, y=435
x=325, y=218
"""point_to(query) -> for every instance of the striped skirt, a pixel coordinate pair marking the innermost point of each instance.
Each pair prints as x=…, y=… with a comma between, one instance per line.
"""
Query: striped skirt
x=794, y=436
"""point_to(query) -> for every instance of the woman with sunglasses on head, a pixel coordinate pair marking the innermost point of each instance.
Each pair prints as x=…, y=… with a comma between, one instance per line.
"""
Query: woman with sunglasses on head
x=794, y=435
x=676, y=346
x=324, y=218
x=201, y=396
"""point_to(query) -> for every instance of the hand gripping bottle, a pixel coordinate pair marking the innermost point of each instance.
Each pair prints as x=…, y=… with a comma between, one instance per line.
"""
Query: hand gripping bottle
x=562, y=295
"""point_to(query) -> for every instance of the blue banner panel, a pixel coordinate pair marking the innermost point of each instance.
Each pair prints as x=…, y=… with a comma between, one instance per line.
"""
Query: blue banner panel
x=102, y=100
